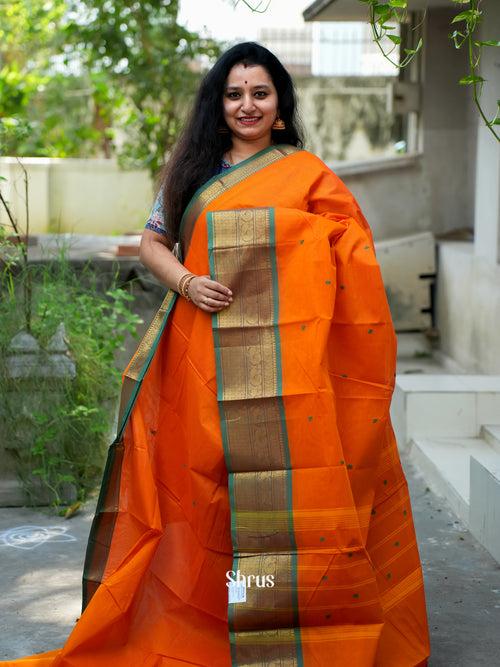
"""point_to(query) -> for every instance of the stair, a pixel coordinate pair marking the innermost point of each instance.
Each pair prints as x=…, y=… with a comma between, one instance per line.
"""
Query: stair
x=446, y=464
x=491, y=433
x=448, y=423
x=437, y=405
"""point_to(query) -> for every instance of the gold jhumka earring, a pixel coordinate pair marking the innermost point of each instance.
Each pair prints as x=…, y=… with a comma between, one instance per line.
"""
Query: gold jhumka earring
x=278, y=124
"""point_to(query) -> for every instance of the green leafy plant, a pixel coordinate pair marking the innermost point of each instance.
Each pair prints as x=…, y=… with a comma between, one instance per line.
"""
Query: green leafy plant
x=468, y=20
x=124, y=73
x=381, y=14
x=58, y=429
x=383, y=17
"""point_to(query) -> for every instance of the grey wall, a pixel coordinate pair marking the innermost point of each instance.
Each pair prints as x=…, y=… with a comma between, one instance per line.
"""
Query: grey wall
x=450, y=126
x=393, y=195
x=436, y=190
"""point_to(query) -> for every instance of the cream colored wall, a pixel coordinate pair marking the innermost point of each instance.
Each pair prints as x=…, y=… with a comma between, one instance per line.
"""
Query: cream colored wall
x=82, y=196
x=468, y=307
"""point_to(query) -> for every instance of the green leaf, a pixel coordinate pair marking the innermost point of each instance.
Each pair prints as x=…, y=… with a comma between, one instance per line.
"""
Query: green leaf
x=416, y=49
x=461, y=2
x=468, y=15
x=489, y=42
x=383, y=9
x=496, y=122
x=398, y=3
x=471, y=78
x=394, y=38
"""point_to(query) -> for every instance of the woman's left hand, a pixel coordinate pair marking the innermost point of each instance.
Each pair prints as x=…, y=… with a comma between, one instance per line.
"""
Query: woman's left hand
x=208, y=294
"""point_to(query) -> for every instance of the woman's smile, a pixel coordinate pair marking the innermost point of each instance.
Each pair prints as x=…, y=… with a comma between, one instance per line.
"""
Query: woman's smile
x=249, y=120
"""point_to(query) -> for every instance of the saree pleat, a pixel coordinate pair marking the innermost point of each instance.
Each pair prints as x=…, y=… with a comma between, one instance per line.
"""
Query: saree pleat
x=258, y=440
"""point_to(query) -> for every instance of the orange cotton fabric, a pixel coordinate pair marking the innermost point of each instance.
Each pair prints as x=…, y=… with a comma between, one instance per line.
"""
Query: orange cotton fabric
x=163, y=599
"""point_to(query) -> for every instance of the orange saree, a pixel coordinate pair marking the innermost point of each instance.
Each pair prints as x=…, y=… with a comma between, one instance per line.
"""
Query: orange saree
x=258, y=441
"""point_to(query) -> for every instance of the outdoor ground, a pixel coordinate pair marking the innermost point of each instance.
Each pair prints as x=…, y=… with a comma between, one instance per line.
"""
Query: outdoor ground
x=40, y=586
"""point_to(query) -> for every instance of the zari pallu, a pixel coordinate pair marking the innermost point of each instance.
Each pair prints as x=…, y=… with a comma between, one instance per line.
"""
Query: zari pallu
x=257, y=441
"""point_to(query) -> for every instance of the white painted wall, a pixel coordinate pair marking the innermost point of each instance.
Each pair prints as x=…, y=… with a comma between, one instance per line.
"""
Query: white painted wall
x=487, y=186
x=74, y=195
x=468, y=294
x=468, y=307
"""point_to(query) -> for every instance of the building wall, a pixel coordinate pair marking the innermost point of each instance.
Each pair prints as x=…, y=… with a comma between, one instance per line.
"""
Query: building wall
x=468, y=296
x=449, y=127
x=384, y=191
x=83, y=196
x=468, y=307
x=346, y=118
x=487, y=209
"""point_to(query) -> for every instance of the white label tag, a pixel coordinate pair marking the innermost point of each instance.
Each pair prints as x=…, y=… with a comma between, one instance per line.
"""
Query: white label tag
x=237, y=591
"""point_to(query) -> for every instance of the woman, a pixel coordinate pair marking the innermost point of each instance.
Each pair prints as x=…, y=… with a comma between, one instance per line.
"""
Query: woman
x=255, y=443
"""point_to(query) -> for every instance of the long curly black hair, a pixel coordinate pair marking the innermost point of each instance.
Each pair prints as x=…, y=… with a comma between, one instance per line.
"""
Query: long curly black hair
x=200, y=147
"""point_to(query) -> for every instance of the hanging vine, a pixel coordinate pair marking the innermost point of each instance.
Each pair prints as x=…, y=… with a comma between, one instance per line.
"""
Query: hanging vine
x=469, y=20
x=258, y=7
x=384, y=17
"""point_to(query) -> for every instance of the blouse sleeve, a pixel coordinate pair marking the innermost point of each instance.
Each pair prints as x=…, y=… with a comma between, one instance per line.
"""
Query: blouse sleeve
x=156, y=222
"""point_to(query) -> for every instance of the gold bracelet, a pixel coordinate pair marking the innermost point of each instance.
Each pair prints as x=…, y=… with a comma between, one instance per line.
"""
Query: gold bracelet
x=181, y=281
x=185, y=286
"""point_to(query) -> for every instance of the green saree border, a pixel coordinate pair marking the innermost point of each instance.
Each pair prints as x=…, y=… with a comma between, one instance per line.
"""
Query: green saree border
x=233, y=632
x=228, y=179
x=279, y=373
x=107, y=508
x=155, y=330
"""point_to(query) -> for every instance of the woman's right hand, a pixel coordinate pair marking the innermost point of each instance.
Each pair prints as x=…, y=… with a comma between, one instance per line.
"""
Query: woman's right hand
x=208, y=294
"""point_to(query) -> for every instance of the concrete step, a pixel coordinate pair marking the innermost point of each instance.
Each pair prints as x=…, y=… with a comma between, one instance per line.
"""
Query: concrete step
x=417, y=353
x=491, y=433
x=444, y=462
x=466, y=472
x=446, y=466
x=444, y=405
x=484, y=513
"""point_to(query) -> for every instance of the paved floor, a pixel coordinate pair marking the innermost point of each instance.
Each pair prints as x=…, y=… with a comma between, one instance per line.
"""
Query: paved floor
x=42, y=556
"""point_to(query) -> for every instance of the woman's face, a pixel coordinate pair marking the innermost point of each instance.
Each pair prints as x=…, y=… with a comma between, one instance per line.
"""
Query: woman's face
x=250, y=102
